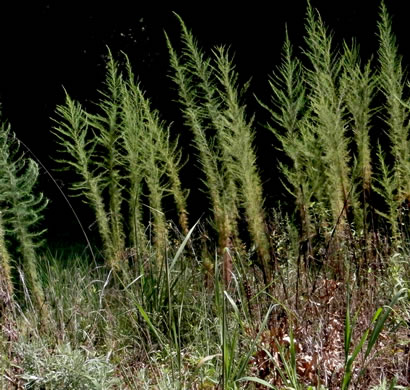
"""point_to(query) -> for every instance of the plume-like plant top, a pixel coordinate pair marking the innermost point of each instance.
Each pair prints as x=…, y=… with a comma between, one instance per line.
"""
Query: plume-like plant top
x=393, y=84
x=117, y=151
x=211, y=101
x=18, y=177
x=21, y=210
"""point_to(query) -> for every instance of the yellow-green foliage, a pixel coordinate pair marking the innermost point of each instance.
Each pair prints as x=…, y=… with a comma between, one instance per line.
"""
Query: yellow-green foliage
x=72, y=134
x=296, y=135
x=6, y=285
x=20, y=210
x=193, y=76
x=127, y=158
x=211, y=104
x=323, y=109
x=358, y=89
x=117, y=151
x=395, y=181
x=327, y=117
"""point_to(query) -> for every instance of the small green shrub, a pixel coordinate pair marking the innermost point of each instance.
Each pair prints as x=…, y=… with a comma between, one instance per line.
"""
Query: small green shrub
x=64, y=368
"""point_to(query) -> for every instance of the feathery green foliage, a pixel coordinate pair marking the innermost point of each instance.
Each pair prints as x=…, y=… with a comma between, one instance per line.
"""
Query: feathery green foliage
x=73, y=136
x=21, y=211
x=327, y=116
x=211, y=103
x=237, y=138
x=323, y=114
x=358, y=89
x=6, y=285
x=106, y=130
x=296, y=136
x=159, y=158
x=115, y=153
x=160, y=325
x=396, y=116
x=193, y=76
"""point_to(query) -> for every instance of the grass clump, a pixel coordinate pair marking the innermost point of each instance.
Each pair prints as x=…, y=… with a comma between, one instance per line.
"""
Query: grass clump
x=64, y=368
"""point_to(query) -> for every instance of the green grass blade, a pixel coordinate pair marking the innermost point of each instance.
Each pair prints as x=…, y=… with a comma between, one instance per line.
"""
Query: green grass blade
x=349, y=364
x=348, y=333
x=182, y=246
x=233, y=304
x=245, y=359
x=256, y=380
x=381, y=320
x=148, y=321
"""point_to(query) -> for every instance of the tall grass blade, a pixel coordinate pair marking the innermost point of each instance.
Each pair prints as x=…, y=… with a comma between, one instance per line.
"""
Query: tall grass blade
x=183, y=245
x=378, y=327
x=257, y=380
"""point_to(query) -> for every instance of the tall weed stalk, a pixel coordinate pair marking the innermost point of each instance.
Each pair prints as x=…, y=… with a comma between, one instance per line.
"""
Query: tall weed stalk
x=291, y=127
x=115, y=153
x=322, y=115
x=327, y=116
x=20, y=209
x=211, y=104
x=395, y=180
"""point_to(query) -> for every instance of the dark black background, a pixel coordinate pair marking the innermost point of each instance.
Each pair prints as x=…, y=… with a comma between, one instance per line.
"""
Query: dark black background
x=46, y=46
